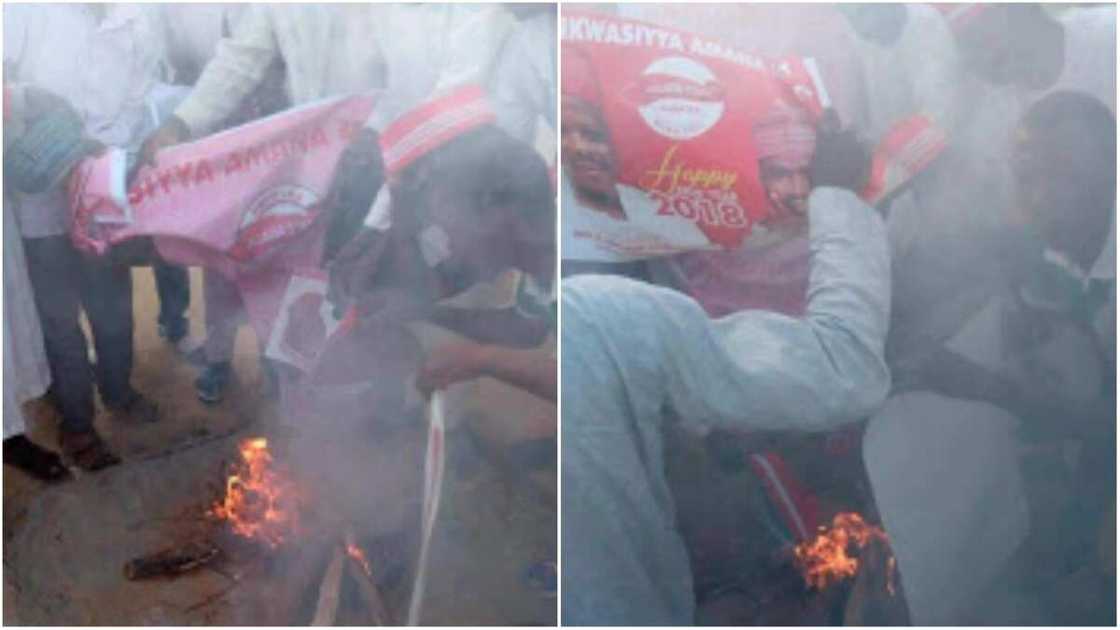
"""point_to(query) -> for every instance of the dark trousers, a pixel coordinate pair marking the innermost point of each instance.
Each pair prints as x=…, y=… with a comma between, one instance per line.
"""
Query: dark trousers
x=174, y=288
x=65, y=282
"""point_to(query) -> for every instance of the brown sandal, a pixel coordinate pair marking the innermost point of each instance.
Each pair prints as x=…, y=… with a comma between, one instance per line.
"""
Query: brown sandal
x=86, y=450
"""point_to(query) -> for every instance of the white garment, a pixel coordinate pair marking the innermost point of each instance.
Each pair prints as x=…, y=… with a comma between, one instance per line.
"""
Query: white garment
x=104, y=68
x=592, y=235
x=26, y=372
x=411, y=51
x=945, y=472
x=1090, y=52
x=524, y=86
x=945, y=475
x=630, y=350
x=194, y=30
x=917, y=74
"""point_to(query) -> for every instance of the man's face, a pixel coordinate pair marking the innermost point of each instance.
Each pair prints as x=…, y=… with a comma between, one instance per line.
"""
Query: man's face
x=585, y=149
x=479, y=243
x=786, y=188
x=1047, y=200
x=465, y=245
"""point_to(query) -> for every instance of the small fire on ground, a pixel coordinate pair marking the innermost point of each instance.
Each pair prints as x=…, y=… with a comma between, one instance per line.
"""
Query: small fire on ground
x=829, y=558
x=260, y=504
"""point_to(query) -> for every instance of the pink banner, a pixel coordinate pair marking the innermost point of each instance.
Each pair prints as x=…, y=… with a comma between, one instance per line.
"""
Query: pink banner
x=247, y=202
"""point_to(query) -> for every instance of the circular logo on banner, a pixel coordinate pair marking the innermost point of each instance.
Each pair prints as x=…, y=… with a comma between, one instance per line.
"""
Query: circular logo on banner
x=679, y=98
x=273, y=216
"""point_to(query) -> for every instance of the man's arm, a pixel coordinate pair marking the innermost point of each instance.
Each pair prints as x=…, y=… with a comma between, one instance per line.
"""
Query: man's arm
x=521, y=84
x=238, y=66
x=507, y=326
x=533, y=370
x=753, y=369
x=471, y=36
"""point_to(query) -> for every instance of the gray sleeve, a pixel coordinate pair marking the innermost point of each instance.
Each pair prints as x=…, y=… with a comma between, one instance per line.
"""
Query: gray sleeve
x=752, y=369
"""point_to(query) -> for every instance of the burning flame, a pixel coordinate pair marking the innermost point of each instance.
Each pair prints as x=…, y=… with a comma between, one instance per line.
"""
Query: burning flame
x=825, y=559
x=357, y=554
x=259, y=504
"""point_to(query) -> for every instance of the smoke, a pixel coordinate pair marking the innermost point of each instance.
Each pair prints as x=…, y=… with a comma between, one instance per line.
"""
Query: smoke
x=1035, y=463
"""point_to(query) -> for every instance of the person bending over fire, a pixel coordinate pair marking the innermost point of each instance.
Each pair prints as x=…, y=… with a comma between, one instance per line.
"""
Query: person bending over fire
x=633, y=351
x=460, y=210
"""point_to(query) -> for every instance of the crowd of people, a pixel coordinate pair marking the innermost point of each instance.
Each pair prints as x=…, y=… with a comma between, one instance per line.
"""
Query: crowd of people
x=964, y=337
x=924, y=361
x=83, y=78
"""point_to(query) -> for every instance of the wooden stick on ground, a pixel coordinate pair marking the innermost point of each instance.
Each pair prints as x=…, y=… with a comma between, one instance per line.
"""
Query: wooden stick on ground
x=169, y=562
x=329, y=590
x=371, y=595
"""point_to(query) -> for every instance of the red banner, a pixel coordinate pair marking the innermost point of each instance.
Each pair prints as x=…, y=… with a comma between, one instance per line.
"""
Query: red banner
x=661, y=135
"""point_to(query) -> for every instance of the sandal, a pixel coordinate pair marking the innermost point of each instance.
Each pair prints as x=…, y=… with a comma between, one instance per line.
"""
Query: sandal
x=34, y=460
x=86, y=450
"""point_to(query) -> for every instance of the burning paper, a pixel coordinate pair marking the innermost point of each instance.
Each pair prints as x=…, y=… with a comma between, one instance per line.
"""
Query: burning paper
x=259, y=503
x=834, y=554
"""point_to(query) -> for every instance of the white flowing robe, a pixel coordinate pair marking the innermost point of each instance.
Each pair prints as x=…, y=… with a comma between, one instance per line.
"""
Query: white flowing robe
x=26, y=373
x=631, y=349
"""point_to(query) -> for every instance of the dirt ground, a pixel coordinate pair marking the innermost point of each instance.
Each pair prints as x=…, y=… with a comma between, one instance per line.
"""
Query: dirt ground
x=65, y=545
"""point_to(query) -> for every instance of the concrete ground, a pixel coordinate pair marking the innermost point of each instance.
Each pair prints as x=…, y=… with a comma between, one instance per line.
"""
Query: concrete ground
x=65, y=545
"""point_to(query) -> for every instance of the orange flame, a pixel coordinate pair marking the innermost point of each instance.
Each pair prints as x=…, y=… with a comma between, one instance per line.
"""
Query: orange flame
x=259, y=504
x=825, y=559
x=357, y=554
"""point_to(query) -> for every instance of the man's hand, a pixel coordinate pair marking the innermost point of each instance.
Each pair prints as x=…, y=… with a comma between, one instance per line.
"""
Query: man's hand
x=172, y=132
x=531, y=370
x=453, y=363
x=842, y=159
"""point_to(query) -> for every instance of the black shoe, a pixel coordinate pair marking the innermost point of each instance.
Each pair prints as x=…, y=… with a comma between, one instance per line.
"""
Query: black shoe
x=86, y=450
x=175, y=329
x=211, y=384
